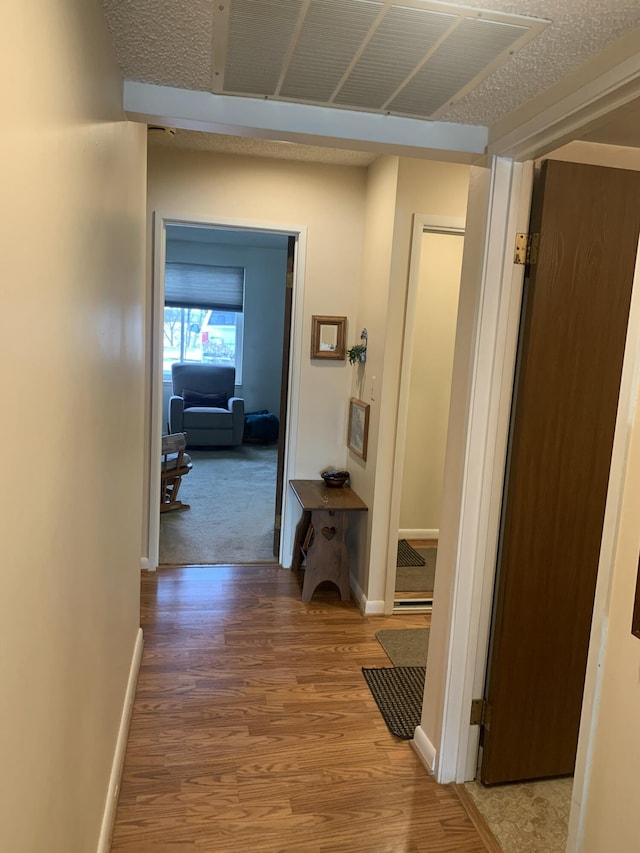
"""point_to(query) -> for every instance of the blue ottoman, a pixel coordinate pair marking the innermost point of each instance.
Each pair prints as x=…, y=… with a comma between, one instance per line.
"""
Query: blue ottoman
x=260, y=428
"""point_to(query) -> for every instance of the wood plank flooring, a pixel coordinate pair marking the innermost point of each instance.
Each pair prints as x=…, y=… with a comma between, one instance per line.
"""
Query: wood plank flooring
x=253, y=728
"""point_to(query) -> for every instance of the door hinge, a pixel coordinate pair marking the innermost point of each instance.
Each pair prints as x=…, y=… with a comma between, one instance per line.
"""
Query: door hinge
x=526, y=248
x=480, y=713
x=278, y=522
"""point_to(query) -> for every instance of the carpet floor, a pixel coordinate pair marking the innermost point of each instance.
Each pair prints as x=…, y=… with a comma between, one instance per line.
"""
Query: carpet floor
x=231, y=492
x=526, y=817
x=418, y=578
x=406, y=646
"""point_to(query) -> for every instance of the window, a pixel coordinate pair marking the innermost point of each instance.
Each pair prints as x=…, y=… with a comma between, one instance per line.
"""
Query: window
x=203, y=319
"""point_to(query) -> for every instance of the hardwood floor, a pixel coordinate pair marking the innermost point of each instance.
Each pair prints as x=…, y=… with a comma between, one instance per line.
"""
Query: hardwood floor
x=253, y=728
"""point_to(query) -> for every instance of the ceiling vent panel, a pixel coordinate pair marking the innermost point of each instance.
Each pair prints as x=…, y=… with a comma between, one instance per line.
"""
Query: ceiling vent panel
x=330, y=38
x=260, y=32
x=456, y=66
x=409, y=57
x=402, y=41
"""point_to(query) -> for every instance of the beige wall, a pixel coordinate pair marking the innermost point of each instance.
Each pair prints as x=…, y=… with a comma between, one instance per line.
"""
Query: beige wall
x=434, y=330
x=615, y=156
x=612, y=817
x=359, y=231
x=424, y=187
x=329, y=202
x=366, y=379
x=72, y=223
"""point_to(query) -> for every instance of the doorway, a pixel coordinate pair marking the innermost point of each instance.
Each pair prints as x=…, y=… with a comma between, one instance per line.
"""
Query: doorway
x=228, y=483
x=572, y=343
x=427, y=366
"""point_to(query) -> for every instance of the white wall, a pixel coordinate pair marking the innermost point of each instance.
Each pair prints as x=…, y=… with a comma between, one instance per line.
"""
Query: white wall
x=434, y=331
x=265, y=279
x=73, y=173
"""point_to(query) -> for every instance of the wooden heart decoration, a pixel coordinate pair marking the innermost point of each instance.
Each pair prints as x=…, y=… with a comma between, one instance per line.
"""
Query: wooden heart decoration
x=328, y=532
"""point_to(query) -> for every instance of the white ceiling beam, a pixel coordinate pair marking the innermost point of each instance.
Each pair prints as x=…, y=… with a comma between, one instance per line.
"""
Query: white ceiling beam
x=302, y=123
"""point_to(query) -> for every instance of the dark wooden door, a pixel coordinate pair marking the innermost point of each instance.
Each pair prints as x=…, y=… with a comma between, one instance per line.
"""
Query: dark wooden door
x=284, y=391
x=572, y=339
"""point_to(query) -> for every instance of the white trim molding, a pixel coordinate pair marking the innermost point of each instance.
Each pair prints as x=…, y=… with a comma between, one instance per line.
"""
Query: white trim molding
x=160, y=222
x=113, y=790
x=484, y=364
x=424, y=749
x=369, y=608
x=419, y=533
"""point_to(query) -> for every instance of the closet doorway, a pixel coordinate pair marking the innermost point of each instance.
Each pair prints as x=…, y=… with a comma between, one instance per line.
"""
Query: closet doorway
x=427, y=365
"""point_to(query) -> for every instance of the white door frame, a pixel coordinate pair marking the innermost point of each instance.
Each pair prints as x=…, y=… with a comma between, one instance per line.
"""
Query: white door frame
x=484, y=361
x=436, y=224
x=159, y=230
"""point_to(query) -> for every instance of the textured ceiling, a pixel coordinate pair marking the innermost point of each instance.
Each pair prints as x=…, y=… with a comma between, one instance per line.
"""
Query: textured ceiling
x=366, y=54
x=201, y=141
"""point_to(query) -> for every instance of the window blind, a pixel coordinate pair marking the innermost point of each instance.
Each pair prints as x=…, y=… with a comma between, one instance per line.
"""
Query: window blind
x=203, y=286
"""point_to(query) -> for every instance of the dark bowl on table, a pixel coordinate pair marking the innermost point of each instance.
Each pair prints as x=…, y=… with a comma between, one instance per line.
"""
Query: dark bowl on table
x=335, y=479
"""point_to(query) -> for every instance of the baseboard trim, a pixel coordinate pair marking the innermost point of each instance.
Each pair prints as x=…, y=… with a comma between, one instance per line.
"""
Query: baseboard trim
x=144, y=564
x=424, y=749
x=369, y=608
x=109, y=815
x=419, y=533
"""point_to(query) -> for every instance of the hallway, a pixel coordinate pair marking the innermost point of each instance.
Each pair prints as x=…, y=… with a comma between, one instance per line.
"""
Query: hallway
x=253, y=728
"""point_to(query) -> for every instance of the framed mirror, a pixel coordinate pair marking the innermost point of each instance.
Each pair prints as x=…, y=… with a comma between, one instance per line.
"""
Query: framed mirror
x=328, y=336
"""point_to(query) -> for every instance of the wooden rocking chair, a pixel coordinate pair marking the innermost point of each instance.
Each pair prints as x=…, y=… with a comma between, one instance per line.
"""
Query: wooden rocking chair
x=175, y=464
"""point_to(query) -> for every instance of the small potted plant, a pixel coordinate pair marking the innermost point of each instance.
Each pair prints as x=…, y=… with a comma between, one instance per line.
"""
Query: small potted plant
x=357, y=354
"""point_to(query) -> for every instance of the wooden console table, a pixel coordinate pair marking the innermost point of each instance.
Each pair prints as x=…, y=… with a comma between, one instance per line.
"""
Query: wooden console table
x=320, y=534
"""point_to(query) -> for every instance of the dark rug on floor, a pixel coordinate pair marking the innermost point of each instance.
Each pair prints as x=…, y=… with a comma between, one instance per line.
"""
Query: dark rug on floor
x=408, y=556
x=398, y=694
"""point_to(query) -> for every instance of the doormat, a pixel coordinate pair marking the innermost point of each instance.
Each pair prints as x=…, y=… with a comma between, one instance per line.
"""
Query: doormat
x=398, y=694
x=406, y=646
x=408, y=556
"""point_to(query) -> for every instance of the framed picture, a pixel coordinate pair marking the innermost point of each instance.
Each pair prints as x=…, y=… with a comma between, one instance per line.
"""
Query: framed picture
x=328, y=336
x=358, y=430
